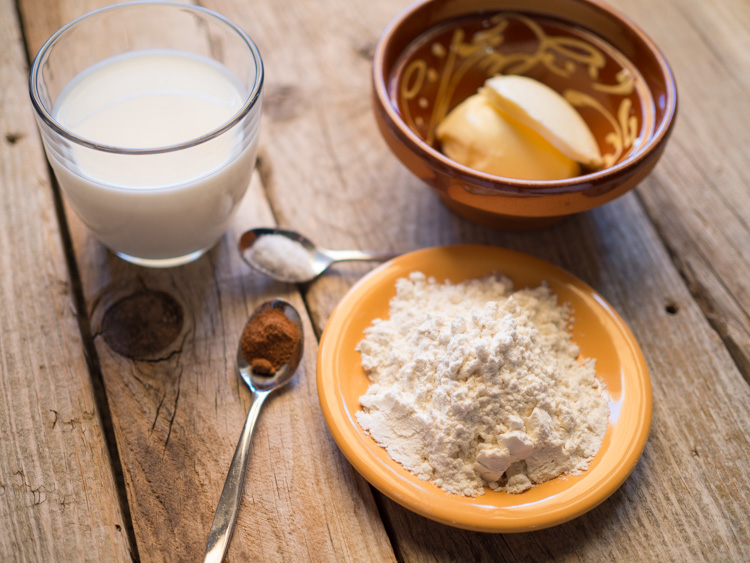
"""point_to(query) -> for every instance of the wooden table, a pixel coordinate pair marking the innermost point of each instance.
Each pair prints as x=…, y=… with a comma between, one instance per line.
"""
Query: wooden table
x=109, y=457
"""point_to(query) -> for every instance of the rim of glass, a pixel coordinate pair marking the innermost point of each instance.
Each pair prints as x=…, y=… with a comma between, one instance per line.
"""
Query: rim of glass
x=47, y=117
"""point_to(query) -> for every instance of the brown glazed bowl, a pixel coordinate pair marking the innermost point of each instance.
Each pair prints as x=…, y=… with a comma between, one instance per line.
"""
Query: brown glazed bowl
x=436, y=53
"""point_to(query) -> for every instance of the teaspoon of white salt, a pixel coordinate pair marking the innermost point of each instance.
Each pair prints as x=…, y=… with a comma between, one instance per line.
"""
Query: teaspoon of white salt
x=290, y=257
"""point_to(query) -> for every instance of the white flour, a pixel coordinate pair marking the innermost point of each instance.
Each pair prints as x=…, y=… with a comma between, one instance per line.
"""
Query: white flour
x=282, y=256
x=474, y=384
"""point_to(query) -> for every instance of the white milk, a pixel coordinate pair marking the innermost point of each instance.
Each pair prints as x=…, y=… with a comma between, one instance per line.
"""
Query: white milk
x=159, y=206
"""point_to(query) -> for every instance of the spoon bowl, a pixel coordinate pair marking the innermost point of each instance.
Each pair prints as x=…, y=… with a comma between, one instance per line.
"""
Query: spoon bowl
x=268, y=382
x=261, y=386
x=320, y=259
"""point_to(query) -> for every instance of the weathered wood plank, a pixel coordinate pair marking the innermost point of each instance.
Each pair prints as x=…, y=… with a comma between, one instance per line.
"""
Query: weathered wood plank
x=699, y=201
x=328, y=174
x=58, y=499
x=178, y=413
x=331, y=177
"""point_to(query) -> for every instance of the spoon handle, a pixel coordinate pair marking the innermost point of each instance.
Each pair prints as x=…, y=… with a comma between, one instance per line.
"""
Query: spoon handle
x=229, y=502
x=350, y=255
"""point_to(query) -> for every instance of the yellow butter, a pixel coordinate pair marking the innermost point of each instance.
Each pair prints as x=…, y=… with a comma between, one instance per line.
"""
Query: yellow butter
x=476, y=135
x=539, y=107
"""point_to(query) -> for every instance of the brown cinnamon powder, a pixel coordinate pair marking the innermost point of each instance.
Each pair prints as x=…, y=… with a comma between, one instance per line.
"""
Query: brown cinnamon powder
x=269, y=341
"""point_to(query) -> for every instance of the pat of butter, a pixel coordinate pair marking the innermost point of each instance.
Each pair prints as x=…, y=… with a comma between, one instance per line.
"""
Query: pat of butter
x=539, y=107
x=476, y=135
x=517, y=127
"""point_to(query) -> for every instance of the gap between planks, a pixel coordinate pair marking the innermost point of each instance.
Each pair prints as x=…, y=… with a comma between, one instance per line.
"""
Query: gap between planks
x=84, y=326
x=702, y=297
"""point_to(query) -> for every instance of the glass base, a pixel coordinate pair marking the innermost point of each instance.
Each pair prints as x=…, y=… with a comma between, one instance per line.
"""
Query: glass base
x=163, y=262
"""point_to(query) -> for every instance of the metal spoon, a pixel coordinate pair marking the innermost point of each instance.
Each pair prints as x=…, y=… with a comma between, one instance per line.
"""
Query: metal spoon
x=261, y=386
x=320, y=258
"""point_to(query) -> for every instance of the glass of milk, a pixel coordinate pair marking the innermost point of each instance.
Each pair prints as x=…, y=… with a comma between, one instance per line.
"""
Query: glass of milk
x=150, y=114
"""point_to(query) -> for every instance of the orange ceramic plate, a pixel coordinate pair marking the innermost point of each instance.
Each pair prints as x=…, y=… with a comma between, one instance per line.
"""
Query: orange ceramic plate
x=597, y=329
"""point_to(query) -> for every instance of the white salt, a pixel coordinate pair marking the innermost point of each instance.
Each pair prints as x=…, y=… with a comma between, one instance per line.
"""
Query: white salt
x=283, y=257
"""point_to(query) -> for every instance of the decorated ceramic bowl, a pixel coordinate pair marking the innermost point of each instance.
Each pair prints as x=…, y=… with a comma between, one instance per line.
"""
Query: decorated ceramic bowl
x=437, y=53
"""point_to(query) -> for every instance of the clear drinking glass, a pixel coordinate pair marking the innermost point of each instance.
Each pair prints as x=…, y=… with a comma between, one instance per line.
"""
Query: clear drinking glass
x=161, y=205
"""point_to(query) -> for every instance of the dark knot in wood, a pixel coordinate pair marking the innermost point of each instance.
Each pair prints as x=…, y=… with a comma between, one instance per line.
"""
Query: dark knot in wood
x=142, y=324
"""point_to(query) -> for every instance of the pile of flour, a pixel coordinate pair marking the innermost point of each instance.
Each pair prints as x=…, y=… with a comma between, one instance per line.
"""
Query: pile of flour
x=476, y=385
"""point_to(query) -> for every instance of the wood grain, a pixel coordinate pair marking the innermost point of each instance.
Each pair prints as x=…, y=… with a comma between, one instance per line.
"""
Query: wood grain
x=330, y=176
x=672, y=259
x=699, y=200
x=58, y=499
x=178, y=413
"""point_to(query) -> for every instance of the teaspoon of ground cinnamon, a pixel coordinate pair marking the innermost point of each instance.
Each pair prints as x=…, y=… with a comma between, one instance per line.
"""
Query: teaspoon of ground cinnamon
x=269, y=340
x=269, y=352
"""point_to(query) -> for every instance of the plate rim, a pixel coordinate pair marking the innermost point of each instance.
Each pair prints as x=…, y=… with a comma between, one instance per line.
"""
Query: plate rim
x=506, y=519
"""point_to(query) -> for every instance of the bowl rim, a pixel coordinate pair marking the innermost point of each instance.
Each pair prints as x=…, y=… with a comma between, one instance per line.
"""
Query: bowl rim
x=513, y=185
